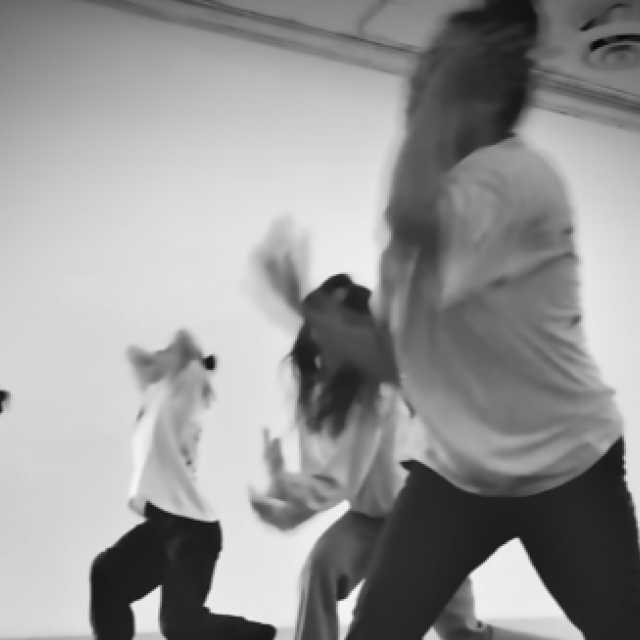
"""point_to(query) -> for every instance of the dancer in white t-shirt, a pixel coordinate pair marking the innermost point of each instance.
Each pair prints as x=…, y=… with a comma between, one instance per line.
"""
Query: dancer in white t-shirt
x=177, y=546
x=353, y=433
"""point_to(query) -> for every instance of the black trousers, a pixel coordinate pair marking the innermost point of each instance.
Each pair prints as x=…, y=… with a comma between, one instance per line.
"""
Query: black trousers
x=177, y=554
x=582, y=539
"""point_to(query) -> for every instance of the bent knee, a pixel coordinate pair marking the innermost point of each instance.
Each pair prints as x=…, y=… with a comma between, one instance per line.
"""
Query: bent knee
x=323, y=561
x=99, y=571
x=327, y=570
x=104, y=572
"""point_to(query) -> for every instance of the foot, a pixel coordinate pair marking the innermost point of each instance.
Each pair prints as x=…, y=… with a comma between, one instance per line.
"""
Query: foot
x=500, y=633
x=256, y=631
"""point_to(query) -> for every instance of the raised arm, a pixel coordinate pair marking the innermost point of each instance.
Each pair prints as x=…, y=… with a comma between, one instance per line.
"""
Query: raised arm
x=278, y=271
x=146, y=367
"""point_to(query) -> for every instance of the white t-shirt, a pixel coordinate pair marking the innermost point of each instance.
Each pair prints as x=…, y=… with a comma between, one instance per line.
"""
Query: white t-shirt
x=361, y=465
x=489, y=342
x=165, y=445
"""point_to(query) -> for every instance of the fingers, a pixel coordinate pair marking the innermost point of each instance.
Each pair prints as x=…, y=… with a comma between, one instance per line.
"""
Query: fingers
x=257, y=501
x=260, y=505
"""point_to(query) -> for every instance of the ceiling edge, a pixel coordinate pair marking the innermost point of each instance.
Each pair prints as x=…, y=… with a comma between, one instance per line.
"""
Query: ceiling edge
x=556, y=92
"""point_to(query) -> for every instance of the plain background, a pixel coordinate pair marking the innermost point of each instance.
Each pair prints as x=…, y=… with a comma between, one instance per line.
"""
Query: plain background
x=140, y=163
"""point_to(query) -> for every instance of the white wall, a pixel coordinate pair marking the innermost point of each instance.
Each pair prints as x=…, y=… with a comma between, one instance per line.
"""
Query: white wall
x=140, y=161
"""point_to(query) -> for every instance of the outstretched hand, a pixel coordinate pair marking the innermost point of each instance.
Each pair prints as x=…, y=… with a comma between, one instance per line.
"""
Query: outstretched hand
x=281, y=260
x=271, y=511
x=272, y=453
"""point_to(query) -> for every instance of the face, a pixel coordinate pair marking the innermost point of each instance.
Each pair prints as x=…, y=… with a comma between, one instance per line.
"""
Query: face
x=327, y=362
x=330, y=361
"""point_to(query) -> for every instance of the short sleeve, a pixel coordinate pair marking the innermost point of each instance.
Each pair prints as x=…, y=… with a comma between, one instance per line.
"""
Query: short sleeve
x=502, y=216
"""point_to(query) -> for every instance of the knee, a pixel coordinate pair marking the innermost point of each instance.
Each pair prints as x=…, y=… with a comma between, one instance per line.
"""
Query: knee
x=99, y=572
x=326, y=574
x=321, y=565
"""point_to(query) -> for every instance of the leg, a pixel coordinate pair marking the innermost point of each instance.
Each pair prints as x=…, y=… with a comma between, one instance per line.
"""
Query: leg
x=458, y=619
x=435, y=537
x=336, y=565
x=192, y=549
x=123, y=574
x=582, y=539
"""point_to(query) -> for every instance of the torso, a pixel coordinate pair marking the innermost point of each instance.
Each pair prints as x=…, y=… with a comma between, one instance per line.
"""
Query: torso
x=165, y=448
x=377, y=494
x=512, y=399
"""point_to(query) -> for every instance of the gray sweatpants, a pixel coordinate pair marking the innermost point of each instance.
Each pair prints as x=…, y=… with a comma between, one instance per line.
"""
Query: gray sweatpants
x=338, y=563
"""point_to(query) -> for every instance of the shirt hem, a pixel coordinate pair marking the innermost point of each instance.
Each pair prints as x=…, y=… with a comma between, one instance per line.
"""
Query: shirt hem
x=538, y=485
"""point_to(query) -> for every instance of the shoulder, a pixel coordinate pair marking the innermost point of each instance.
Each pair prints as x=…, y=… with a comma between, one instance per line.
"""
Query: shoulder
x=517, y=173
x=505, y=159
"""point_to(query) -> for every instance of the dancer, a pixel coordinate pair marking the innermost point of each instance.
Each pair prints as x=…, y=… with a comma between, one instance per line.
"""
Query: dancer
x=5, y=399
x=480, y=291
x=351, y=431
x=177, y=546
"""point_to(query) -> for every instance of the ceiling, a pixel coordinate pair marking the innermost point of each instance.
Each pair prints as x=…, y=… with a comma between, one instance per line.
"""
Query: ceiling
x=590, y=67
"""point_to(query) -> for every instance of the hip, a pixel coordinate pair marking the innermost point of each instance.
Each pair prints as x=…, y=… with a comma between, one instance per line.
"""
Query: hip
x=517, y=471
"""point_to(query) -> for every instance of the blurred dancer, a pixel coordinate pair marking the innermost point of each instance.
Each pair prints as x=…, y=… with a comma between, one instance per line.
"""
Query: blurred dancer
x=179, y=542
x=352, y=432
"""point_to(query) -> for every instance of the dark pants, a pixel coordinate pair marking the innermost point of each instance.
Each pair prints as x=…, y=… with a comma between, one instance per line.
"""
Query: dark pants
x=582, y=539
x=339, y=562
x=165, y=551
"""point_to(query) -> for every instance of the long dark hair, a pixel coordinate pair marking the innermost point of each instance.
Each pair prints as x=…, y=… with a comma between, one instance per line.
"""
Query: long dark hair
x=325, y=400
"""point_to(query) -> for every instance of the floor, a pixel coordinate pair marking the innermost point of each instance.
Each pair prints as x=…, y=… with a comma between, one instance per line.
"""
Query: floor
x=554, y=628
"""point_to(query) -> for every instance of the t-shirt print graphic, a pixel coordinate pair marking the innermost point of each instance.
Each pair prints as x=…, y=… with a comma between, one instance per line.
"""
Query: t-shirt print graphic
x=189, y=448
